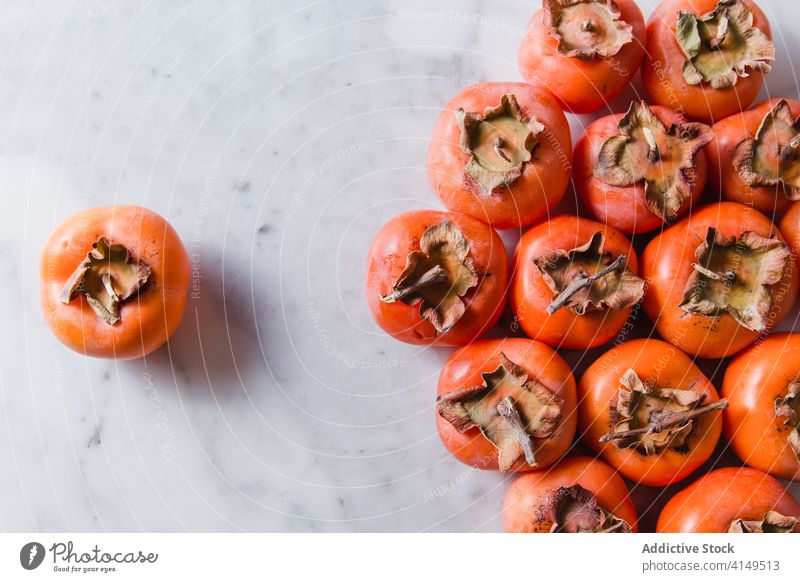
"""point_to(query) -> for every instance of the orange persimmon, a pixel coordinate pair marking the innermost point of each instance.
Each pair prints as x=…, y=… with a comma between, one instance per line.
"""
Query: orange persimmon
x=731, y=500
x=506, y=404
x=114, y=281
x=649, y=411
x=501, y=153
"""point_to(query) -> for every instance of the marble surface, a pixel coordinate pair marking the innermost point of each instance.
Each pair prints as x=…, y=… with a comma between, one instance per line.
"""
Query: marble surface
x=276, y=136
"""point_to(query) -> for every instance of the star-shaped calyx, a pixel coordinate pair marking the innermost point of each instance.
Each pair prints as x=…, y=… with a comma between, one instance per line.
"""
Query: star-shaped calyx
x=651, y=418
x=646, y=152
x=787, y=409
x=587, y=278
x=437, y=276
x=723, y=45
x=499, y=142
x=735, y=276
x=772, y=522
x=106, y=278
x=574, y=509
x=586, y=29
x=512, y=411
x=772, y=157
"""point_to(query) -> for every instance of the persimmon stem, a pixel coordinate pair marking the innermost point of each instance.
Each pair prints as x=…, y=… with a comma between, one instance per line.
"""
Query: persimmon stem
x=109, y=286
x=508, y=411
x=664, y=420
x=434, y=275
x=790, y=149
x=587, y=26
x=582, y=281
x=498, y=144
x=653, y=153
x=726, y=277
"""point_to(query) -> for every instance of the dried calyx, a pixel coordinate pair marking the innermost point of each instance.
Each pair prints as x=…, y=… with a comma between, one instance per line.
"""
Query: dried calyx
x=437, y=276
x=773, y=522
x=510, y=409
x=646, y=152
x=575, y=510
x=772, y=158
x=787, y=409
x=722, y=45
x=586, y=29
x=587, y=279
x=106, y=278
x=650, y=418
x=735, y=276
x=499, y=142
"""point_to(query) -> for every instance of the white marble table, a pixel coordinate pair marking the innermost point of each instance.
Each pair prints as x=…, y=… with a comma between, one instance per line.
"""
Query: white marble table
x=276, y=136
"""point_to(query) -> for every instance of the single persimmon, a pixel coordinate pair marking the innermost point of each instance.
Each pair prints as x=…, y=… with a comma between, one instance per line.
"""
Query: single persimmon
x=790, y=228
x=574, y=282
x=754, y=157
x=114, y=281
x=706, y=58
x=501, y=153
x=506, y=404
x=643, y=169
x=436, y=277
x=732, y=500
x=578, y=495
x=585, y=52
x=649, y=411
x=762, y=422
x=718, y=279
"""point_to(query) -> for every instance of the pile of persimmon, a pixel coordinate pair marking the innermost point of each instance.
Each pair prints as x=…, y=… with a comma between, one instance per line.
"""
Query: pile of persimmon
x=706, y=186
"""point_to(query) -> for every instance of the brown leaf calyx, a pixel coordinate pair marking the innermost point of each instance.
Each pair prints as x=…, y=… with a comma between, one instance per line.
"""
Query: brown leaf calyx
x=106, y=278
x=735, y=276
x=587, y=278
x=723, y=45
x=772, y=522
x=576, y=511
x=499, y=142
x=437, y=276
x=651, y=419
x=772, y=157
x=586, y=29
x=787, y=409
x=512, y=411
x=661, y=158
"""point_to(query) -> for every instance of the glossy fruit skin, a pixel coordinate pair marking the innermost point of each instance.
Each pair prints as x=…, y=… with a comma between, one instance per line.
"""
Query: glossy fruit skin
x=753, y=380
x=543, y=182
x=148, y=319
x=790, y=228
x=464, y=368
x=582, y=86
x=666, y=366
x=526, y=492
x=624, y=207
x=667, y=264
x=711, y=503
x=387, y=259
x=530, y=295
x=662, y=71
x=724, y=179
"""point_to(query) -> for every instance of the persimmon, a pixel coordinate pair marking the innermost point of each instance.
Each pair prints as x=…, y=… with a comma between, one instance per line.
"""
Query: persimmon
x=731, y=500
x=574, y=282
x=706, y=58
x=579, y=494
x=436, y=277
x=718, y=279
x=754, y=158
x=585, y=52
x=762, y=422
x=501, y=153
x=114, y=281
x=640, y=170
x=649, y=411
x=506, y=404
x=790, y=228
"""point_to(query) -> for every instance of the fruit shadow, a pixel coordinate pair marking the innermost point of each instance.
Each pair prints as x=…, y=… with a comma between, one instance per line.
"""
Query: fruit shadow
x=215, y=347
